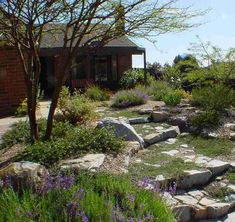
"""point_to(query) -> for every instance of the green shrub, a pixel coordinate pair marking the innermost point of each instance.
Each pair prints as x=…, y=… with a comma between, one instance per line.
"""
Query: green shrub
x=134, y=77
x=22, y=109
x=172, y=98
x=75, y=108
x=216, y=97
x=95, y=93
x=94, y=197
x=75, y=141
x=126, y=98
x=159, y=89
x=206, y=120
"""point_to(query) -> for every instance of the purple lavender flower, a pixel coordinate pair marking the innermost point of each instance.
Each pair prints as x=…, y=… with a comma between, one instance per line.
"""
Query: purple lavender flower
x=131, y=198
x=29, y=214
x=148, y=217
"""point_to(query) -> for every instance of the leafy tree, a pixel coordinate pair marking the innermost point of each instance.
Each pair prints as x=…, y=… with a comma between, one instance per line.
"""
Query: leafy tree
x=155, y=69
x=87, y=26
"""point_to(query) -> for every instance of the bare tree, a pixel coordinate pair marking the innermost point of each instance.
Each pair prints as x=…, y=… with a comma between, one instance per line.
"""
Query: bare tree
x=86, y=25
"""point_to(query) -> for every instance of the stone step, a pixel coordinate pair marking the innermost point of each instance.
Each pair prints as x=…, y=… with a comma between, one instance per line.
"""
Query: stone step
x=162, y=135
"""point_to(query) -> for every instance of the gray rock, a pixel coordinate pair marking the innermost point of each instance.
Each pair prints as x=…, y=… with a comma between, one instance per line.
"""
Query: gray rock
x=171, y=152
x=230, y=217
x=201, y=160
x=121, y=130
x=194, y=178
x=145, y=111
x=159, y=116
x=207, y=201
x=199, y=212
x=196, y=194
x=180, y=121
x=153, y=138
x=88, y=162
x=217, y=210
x=230, y=126
x=163, y=135
x=24, y=174
x=186, y=199
x=217, y=167
x=183, y=213
x=139, y=120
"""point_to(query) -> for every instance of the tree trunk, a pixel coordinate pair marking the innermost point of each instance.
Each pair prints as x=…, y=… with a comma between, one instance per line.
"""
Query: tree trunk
x=53, y=106
x=32, y=116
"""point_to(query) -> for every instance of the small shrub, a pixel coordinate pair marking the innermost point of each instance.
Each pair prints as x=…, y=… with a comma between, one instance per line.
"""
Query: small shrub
x=22, y=109
x=77, y=140
x=159, y=89
x=206, y=120
x=134, y=77
x=75, y=108
x=95, y=93
x=172, y=99
x=128, y=98
x=216, y=97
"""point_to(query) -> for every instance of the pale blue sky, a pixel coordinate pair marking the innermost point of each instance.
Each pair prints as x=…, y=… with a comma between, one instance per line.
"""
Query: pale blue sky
x=218, y=28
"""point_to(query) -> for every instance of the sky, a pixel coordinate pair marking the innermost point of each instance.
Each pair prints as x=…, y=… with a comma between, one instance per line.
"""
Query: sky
x=218, y=27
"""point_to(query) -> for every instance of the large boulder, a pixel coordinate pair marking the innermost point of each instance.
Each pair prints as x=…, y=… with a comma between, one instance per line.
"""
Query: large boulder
x=24, y=174
x=218, y=210
x=121, y=130
x=88, y=162
x=217, y=166
x=183, y=213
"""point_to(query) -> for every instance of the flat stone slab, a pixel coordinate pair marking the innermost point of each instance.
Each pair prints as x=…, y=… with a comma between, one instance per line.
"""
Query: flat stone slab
x=171, y=141
x=217, y=210
x=199, y=212
x=153, y=138
x=207, y=201
x=159, y=116
x=88, y=162
x=139, y=120
x=194, y=178
x=145, y=111
x=186, y=199
x=231, y=187
x=217, y=166
x=201, y=160
x=171, y=152
x=196, y=194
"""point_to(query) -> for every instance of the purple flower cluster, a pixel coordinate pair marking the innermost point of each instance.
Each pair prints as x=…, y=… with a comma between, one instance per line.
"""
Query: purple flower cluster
x=6, y=182
x=155, y=186
x=58, y=182
x=74, y=208
x=144, y=96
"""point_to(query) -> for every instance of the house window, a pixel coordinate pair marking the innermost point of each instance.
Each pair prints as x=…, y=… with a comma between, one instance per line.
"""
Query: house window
x=79, y=68
x=101, y=68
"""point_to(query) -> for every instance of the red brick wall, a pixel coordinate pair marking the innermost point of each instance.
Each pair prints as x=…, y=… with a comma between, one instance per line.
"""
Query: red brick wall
x=12, y=88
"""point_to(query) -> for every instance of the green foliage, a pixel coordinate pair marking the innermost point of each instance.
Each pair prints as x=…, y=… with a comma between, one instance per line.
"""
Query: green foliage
x=126, y=98
x=161, y=90
x=208, y=119
x=95, y=93
x=71, y=141
x=172, y=98
x=99, y=196
x=134, y=77
x=209, y=146
x=20, y=133
x=22, y=109
x=216, y=97
x=75, y=108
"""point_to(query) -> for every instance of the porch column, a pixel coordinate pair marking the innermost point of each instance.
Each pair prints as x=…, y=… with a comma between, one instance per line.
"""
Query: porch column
x=145, y=69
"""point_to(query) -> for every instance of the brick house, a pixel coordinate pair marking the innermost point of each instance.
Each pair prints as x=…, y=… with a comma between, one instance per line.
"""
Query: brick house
x=104, y=67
